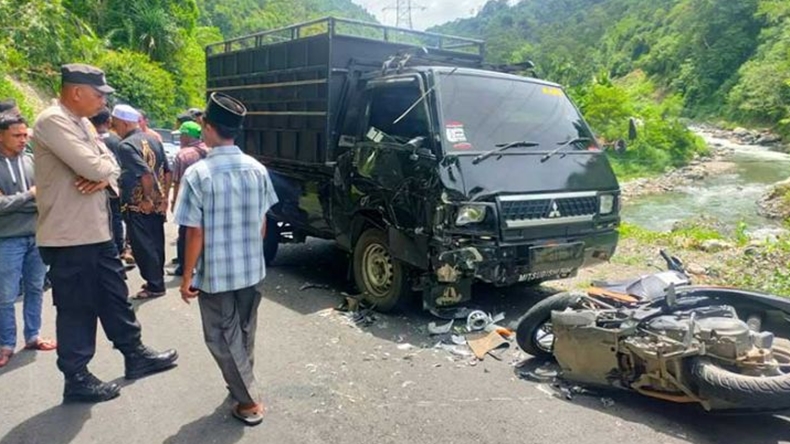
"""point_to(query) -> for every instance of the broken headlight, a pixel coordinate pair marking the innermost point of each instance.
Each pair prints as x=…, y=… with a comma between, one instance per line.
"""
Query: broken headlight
x=470, y=214
x=606, y=203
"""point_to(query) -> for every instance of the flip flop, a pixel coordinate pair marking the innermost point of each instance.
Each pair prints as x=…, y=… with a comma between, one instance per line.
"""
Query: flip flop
x=251, y=417
x=5, y=356
x=147, y=294
x=41, y=345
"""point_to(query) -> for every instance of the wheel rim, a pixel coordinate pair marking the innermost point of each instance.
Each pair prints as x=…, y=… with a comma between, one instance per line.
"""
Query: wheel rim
x=544, y=337
x=377, y=270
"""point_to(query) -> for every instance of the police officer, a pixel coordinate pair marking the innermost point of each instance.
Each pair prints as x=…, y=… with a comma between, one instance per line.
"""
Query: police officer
x=75, y=176
x=145, y=182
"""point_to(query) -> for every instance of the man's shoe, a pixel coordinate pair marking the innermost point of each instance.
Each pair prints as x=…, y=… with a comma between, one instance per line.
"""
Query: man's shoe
x=177, y=272
x=144, y=361
x=84, y=387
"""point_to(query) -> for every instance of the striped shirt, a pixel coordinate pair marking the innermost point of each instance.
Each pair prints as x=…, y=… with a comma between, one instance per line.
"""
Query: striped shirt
x=227, y=194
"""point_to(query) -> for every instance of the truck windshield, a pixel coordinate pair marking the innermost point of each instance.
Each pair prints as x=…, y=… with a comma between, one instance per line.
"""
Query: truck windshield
x=480, y=113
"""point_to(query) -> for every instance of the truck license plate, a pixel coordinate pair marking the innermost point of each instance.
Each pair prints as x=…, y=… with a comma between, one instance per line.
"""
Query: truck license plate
x=556, y=257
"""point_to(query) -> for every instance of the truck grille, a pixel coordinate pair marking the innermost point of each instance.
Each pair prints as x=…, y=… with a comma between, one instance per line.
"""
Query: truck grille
x=531, y=210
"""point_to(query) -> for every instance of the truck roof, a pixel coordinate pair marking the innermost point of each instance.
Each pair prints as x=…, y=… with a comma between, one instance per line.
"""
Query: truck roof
x=482, y=73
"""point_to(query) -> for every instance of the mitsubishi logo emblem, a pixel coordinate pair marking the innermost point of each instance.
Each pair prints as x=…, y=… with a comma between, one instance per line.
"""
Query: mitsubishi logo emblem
x=555, y=210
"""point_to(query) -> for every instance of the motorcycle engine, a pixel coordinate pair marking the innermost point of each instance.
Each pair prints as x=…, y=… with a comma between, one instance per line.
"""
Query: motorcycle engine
x=717, y=327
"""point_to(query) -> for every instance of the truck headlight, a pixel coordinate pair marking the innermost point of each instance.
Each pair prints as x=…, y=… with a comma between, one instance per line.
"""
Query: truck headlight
x=470, y=214
x=606, y=205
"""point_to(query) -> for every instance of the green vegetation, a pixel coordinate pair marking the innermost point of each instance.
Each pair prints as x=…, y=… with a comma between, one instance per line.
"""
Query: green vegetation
x=151, y=50
x=701, y=59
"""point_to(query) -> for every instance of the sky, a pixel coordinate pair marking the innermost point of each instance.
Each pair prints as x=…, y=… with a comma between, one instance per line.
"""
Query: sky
x=425, y=13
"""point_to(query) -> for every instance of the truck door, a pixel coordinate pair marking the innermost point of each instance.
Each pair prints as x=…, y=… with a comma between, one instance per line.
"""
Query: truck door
x=392, y=158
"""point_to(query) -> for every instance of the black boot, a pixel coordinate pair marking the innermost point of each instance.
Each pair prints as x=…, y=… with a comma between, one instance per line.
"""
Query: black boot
x=84, y=387
x=143, y=361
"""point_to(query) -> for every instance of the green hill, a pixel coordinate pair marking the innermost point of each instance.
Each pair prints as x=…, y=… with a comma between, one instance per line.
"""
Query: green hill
x=726, y=59
x=151, y=50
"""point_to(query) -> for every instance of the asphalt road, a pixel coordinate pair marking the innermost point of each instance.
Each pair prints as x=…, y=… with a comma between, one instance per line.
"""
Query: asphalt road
x=326, y=381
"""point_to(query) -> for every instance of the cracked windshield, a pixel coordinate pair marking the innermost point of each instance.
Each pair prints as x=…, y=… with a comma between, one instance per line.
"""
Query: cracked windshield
x=394, y=221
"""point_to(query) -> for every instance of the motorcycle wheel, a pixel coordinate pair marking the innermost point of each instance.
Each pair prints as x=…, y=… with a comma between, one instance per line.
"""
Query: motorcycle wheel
x=534, y=334
x=749, y=392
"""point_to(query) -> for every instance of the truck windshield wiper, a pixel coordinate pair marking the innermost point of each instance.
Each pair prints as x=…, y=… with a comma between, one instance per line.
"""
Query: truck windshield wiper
x=502, y=147
x=564, y=144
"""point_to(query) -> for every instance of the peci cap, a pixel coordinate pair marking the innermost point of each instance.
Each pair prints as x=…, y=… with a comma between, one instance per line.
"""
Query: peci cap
x=191, y=129
x=126, y=113
x=81, y=74
x=224, y=110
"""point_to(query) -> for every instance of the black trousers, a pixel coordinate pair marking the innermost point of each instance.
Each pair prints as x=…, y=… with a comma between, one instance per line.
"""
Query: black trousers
x=147, y=237
x=117, y=224
x=87, y=285
x=181, y=246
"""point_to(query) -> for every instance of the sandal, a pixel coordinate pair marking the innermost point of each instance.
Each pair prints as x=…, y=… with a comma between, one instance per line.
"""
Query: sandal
x=148, y=294
x=251, y=417
x=41, y=345
x=5, y=356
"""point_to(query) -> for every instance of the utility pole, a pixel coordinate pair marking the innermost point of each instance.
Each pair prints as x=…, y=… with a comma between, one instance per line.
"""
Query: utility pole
x=403, y=10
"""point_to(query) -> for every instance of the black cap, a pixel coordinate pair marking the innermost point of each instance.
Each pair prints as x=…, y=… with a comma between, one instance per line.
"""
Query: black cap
x=190, y=115
x=224, y=110
x=79, y=74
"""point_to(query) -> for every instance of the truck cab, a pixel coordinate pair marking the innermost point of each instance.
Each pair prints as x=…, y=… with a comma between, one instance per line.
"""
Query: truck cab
x=430, y=168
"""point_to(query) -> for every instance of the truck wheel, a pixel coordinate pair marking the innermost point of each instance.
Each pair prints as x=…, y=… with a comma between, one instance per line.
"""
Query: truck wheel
x=380, y=277
x=271, y=243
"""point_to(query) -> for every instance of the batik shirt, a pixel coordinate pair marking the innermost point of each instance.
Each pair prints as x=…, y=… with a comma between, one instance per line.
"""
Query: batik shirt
x=139, y=155
x=227, y=194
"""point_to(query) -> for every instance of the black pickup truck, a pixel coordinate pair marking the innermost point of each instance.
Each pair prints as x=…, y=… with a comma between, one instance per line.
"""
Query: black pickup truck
x=429, y=167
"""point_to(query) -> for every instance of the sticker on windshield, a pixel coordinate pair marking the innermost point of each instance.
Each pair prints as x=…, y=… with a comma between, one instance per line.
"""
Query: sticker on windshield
x=552, y=91
x=454, y=132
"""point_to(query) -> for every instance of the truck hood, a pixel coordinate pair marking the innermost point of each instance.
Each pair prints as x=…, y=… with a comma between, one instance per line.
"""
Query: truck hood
x=524, y=173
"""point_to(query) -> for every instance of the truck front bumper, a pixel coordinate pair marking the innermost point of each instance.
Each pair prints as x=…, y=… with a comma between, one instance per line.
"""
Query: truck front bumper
x=505, y=264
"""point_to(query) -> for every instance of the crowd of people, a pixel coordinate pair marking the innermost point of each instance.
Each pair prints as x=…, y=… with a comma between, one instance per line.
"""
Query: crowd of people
x=90, y=198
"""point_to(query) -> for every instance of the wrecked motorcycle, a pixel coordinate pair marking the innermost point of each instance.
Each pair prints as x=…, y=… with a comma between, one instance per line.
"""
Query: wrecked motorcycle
x=663, y=337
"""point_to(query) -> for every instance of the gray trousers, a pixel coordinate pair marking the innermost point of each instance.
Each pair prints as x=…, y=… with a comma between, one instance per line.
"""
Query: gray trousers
x=229, y=322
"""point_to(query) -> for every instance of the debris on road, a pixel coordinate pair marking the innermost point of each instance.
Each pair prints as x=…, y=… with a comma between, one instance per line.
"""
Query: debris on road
x=440, y=329
x=477, y=320
x=310, y=285
x=607, y=402
x=482, y=345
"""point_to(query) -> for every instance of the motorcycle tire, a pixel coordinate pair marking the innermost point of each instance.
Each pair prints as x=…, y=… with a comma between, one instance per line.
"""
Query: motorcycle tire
x=748, y=392
x=537, y=318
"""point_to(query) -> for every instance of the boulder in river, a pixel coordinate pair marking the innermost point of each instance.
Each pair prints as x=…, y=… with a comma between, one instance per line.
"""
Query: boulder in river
x=775, y=203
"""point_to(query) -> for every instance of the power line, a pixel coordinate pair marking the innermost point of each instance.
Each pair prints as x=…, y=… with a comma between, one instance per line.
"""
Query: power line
x=403, y=10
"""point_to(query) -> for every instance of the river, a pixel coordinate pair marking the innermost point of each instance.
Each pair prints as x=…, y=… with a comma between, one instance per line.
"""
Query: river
x=730, y=197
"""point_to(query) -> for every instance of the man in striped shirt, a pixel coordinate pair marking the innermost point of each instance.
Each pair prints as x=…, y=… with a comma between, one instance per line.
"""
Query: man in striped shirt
x=223, y=200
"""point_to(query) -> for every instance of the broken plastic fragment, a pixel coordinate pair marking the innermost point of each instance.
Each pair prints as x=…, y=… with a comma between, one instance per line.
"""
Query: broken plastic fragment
x=440, y=329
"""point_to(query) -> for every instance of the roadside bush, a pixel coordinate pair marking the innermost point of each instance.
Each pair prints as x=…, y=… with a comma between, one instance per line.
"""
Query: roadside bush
x=663, y=141
x=141, y=83
x=8, y=90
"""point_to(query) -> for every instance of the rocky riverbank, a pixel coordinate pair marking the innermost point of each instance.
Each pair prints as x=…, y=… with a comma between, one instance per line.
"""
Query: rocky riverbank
x=698, y=169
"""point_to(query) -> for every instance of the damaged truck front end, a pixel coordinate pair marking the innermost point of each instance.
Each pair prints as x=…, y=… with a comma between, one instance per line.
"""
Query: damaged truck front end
x=520, y=215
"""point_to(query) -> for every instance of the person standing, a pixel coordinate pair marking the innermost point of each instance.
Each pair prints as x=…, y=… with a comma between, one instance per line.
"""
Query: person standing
x=145, y=180
x=19, y=257
x=143, y=122
x=223, y=201
x=101, y=122
x=75, y=173
x=192, y=150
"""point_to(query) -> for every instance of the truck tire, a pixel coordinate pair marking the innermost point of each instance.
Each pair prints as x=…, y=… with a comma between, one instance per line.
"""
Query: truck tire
x=271, y=243
x=534, y=328
x=747, y=392
x=381, y=278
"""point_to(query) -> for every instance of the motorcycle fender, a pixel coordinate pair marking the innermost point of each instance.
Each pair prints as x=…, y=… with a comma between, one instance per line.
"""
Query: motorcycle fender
x=587, y=354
